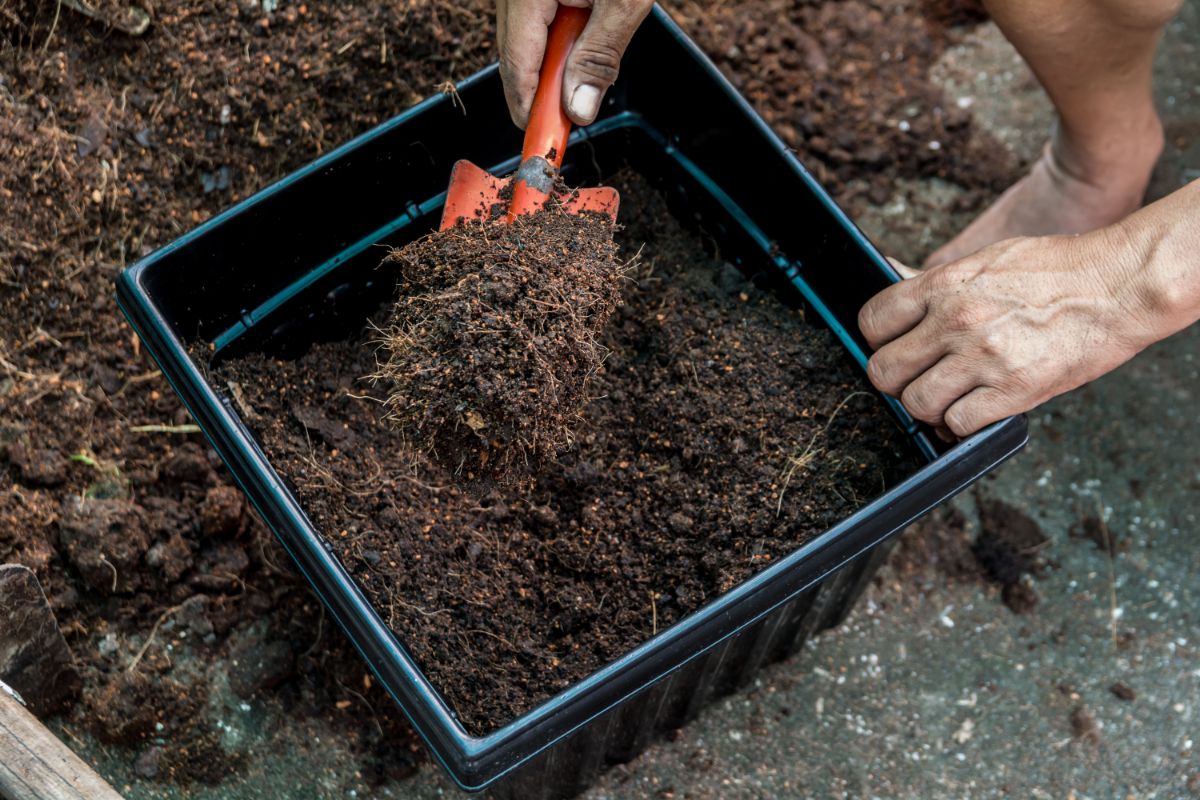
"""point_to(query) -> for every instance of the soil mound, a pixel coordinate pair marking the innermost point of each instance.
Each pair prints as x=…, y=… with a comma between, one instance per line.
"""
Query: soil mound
x=488, y=352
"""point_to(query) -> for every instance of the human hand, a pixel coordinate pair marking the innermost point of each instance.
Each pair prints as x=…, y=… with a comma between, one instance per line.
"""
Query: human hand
x=996, y=333
x=592, y=66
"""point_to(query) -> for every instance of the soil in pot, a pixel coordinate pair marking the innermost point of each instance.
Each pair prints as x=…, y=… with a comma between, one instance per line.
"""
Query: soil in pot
x=487, y=353
x=723, y=430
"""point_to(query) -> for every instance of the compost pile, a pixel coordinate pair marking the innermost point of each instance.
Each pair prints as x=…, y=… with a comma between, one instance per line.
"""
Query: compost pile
x=494, y=336
x=722, y=432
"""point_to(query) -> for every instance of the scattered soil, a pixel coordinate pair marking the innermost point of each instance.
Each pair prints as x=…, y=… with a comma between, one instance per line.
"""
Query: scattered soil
x=936, y=546
x=846, y=84
x=1084, y=725
x=1123, y=691
x=1009, y=549
x=112, y=146
x=1094, y=530
x=488, y=352
x=723, y=431
x=1009, y=543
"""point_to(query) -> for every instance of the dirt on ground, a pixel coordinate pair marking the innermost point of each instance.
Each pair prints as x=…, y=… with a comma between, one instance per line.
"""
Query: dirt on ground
x=1005, y=549
x=846, y=84
x=113, y=145
x=487, y=355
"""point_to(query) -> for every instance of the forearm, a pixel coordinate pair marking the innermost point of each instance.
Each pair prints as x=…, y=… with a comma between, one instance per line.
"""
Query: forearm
x=1162, y=243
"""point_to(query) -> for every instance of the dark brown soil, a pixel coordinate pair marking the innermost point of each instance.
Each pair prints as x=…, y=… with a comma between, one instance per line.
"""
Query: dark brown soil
x=1009, y=543
x=1097, y=532
x=1006, y=551
x=1123, y=691
x=1009, y=549
x=487, y=355
x=937, y=547
x=112, y=146
x=1084, y=725
x=722, y=433
x=846, y=84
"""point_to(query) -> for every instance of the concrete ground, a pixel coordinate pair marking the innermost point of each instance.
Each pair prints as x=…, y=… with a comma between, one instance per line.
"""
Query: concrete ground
x=933, y=688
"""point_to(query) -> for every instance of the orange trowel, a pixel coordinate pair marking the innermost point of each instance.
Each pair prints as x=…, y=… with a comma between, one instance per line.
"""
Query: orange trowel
x=476, y=194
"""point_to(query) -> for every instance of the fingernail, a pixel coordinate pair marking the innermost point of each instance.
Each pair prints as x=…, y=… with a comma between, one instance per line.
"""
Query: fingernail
x=585, y=102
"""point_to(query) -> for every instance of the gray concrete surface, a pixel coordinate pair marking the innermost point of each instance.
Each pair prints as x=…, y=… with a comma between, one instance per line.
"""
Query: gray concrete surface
x=934, y=689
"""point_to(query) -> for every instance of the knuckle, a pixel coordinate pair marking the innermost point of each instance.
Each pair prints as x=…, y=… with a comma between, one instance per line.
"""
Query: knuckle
x=939, y=278
x=879, y=372
x=960, y=317
x=598, y=61
x=867, y=321
x=919, y=402
x=958, y=420
x=947, y=277
x=993, y=345
x=1020, y=379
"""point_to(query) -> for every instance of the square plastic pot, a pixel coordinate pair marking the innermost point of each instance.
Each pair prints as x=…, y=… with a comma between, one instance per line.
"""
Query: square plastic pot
x=295, y=264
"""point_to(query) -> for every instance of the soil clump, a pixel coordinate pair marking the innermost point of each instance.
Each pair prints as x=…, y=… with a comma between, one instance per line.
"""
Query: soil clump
x=487, y=354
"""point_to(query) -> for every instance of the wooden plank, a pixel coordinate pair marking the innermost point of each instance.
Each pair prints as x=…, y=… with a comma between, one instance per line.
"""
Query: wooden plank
x=35, y=765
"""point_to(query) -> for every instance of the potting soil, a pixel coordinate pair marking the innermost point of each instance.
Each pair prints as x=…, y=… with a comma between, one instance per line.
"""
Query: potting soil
x=486, y=356
x=723, y=430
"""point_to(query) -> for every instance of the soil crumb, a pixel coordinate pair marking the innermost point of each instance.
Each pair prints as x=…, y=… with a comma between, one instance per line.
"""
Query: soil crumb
x=494, y=337
x=1123, y=691
x=1084, y=725
x=721, y=432
x=1096, y=531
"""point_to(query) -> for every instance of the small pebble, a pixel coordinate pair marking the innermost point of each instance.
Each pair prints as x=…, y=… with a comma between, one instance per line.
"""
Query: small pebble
x=147, y=763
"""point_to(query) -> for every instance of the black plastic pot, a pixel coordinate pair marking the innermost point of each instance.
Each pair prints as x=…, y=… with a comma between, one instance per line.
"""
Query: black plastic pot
x=296, y=264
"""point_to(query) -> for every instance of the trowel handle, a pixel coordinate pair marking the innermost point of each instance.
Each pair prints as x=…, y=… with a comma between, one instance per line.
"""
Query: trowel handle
x=549, y=127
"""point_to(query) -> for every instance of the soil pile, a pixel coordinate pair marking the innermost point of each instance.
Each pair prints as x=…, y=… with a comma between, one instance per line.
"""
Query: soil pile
x=494, y=337
x=847, y=85
x=722, y=433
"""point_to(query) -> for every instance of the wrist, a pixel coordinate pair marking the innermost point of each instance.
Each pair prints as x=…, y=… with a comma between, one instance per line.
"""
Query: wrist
x=1156, y=253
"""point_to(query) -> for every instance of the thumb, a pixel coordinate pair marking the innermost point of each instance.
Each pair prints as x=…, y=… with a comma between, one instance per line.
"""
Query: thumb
x=905, y=271
x=596, y=57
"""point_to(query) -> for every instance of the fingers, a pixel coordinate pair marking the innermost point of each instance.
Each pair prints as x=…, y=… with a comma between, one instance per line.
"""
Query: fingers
x=596, y=58
x=929, y=396
x=945, y=434
x=977, y=409
x=899, y=363
x=521, y=26
x=893, y=312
